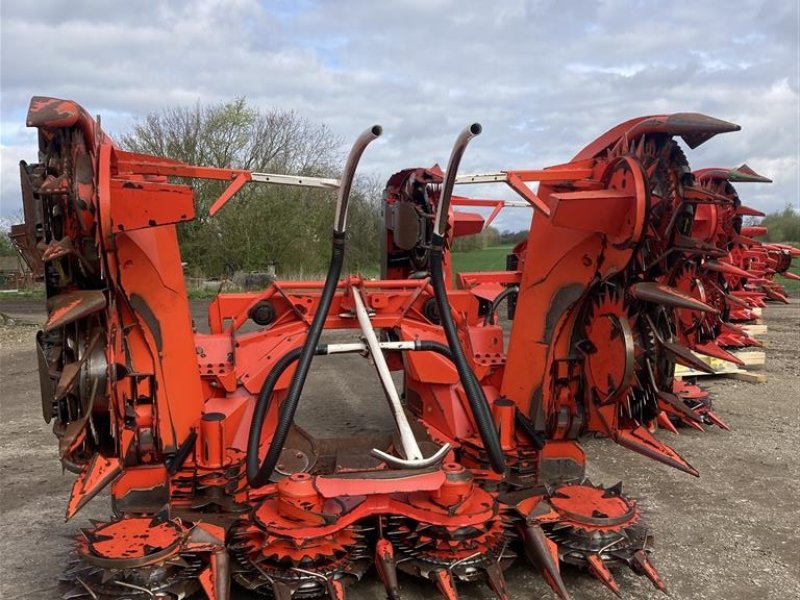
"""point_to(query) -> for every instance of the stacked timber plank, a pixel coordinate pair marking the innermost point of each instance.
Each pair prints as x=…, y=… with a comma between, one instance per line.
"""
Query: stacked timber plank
x=753, y=360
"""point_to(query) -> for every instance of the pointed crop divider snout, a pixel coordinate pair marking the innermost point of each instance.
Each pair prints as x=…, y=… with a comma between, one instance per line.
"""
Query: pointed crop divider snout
x=658, y=293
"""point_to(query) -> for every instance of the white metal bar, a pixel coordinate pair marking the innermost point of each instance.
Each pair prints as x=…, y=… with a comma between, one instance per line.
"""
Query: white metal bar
x=411, y=449
x=345, y=348
x=410, y=446
x=359, y=347
x=295, y=180
x=482, y=178
x=407, y=345
x=506, y=204
x=402, y=463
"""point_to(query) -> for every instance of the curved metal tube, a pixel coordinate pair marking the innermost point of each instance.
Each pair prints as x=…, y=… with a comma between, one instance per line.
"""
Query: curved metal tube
x=259, y=476
x=472, y=387
x=509, y=291
x=340, y=218
x=443, y=207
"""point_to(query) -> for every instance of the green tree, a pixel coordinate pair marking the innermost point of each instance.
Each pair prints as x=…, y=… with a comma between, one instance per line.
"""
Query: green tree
x=262, y=224
x=6, y=246
x=486, y=238
x=783, y=226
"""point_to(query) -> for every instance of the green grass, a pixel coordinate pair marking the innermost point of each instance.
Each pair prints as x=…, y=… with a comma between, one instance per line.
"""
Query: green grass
x=33, y=294
x=492, y=258
x=793, y=287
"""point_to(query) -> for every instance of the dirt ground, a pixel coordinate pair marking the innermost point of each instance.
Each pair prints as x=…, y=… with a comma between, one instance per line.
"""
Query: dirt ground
x=731, y=534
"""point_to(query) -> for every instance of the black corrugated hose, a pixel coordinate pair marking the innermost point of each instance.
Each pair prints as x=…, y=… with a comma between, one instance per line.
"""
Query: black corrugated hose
x=473, y=389
x=258, y=475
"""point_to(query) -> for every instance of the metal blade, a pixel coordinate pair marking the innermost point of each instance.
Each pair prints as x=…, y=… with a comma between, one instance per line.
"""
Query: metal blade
x=749, y=212
x=693, y=425
x=69, y=374
x=66, y=308
x=496, y=581
x=335, y=589
x=691, y=245
x=67, y=379
x=727, y=268
x=686, y=357
x=387, y=568
x=790, y=275
x=712, y=416
x=643, y=565
x=746, y=174
x=281, y=591
x=642, y=441
x=665, y=423
x=774, y=294
x=538, y=549
x=734, y=301
x=94, y=477
x=665, y=295
x=712, y=349
x=678, y=405
x=598, y=568
x=445, y=583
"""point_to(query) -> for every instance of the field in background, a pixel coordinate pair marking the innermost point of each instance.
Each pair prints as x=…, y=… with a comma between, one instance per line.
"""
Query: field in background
x=492, y=258
x=793, y=287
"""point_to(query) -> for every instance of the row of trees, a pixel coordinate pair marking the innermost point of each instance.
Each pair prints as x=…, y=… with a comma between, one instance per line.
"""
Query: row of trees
x=783, y=226
x=6, y=247
x=286, y=227
x=263, y=224
x=487, y=238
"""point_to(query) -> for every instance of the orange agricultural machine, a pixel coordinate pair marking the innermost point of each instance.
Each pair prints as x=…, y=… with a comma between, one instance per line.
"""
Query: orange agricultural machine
x=711, y=269
x=211, y=479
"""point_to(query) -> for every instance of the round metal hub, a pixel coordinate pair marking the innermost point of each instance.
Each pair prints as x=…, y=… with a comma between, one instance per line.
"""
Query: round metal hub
x=306, y=566
x=132, y=542
x=593, y=506
x=465, y=552
x=133, y=558
x=611, y=370
x=597, y=524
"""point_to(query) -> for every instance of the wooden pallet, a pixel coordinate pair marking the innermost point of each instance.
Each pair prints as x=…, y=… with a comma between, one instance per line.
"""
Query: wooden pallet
x=755, y=329
x=723, y=368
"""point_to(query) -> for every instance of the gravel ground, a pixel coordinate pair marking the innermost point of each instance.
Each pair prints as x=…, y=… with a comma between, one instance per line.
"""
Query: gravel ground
x=731, y=534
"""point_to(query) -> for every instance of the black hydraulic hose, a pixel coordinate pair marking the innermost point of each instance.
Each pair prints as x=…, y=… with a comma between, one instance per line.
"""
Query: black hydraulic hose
x=510, y=290
x=442, y=350
x=429, y=346
x=257, y=475
x=264, y=402
x=174, y=465
x=477, y=399
x=537, y=437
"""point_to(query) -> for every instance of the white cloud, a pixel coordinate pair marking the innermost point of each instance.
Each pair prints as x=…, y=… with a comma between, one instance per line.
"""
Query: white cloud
x=544, y=77
x=10, y=203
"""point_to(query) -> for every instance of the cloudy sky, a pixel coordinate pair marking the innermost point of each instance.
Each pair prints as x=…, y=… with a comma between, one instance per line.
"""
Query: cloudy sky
x=544, y=77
